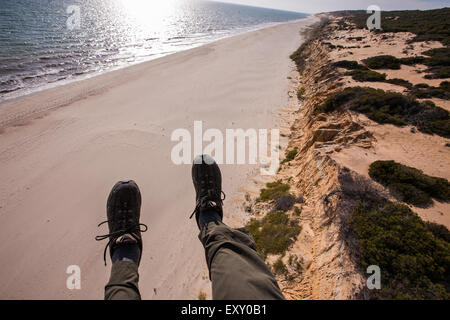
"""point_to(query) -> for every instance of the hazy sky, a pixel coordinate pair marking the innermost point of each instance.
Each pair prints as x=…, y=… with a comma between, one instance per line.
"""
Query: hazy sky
x=314, y=6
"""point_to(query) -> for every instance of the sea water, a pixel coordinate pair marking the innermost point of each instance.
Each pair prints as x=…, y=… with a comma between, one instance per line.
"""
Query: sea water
x=44, y=43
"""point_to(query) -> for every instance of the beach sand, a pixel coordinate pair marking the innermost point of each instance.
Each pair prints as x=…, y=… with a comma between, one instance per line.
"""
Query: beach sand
x=61, y=151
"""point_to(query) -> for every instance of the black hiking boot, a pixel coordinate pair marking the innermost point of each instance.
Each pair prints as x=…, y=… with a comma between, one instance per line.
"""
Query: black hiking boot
x=123, y=213
x=207, y=181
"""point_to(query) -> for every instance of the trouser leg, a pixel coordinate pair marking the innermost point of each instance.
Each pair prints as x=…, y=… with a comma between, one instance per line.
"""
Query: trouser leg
x=123, y=283
x=236, y=270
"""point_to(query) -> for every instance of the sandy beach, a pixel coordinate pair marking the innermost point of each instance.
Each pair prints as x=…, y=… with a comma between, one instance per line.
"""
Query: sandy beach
x=62, y=150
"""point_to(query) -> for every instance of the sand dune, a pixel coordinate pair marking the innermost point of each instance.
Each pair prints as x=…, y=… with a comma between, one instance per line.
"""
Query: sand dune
x=61, y=151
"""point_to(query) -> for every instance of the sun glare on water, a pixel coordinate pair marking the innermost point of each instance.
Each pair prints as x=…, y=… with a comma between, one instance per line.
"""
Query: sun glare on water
x=149, y=13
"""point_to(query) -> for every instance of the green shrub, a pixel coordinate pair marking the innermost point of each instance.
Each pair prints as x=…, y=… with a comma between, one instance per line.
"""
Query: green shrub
x=438, y=62
x=409, y=184
x=299, y=56
x=300, y=92
x=274, y=233
x=273, y=191
x=414, y=263
x=400, y=82
x=424, y=91
x=366, y=75
x=438, y=230
x=410, y=194
x=285, y=202
x=412, y=60
x=290, y=155
x=361, y=74
x=253, y=226
x=382, y=62
x=391, y=107
x=279, y=267
x=303, y=52
x=440, y=72
x=351, y=65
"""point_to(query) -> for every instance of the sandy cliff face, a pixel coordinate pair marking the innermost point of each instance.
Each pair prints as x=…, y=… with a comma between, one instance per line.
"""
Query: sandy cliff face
x=329, y=270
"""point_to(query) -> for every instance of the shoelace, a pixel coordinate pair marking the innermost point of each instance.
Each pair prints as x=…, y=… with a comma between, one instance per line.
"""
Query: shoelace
x=210, y=196
x=113, y=236
x=203, y=202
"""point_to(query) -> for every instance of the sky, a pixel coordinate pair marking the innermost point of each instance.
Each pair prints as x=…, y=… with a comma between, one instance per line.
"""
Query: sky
x=315, y=6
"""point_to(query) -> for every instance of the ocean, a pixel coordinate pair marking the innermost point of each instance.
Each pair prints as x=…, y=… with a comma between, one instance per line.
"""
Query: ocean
x=45, y=43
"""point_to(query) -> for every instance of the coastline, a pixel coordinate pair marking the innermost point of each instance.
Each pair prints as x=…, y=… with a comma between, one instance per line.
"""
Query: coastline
x=63, y=148
x=23, y=108
x=57, y=84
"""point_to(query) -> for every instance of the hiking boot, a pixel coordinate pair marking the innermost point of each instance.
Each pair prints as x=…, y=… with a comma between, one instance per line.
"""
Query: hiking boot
x=123, y=213
x=208, y=188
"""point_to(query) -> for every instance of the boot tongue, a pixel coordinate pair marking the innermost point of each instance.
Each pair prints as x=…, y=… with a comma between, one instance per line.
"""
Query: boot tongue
x=126, y=239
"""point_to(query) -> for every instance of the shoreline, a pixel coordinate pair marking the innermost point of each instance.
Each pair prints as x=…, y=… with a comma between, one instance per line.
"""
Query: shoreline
x=13, y=113
x=49, y=86
x=60, y=162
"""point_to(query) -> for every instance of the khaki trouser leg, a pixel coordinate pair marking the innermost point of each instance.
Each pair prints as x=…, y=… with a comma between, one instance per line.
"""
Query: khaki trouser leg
x=123, y=283
x=236, y=270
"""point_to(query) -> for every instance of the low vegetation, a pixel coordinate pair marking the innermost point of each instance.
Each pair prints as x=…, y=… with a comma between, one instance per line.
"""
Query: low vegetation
x=274, y=190
x=391, y=62
x=439, y=231
x=303, y=52
x=413, y=256
x=366, y=75
x=278, y=192
x=428, y=25
x=361, y=73
x=300, y=93
x=410, y=184
x=409, y=61
x=274, y=233
x=438, y=62
x=201, y=295
x=414, y=262
x=349, y=64
x=299, y=56
x=285, y=202
x=279, y=267
x=424, y=91
x=391, y=107
x=355, y=38
x=290, y=155
x=382, y=62
x=399, y=82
